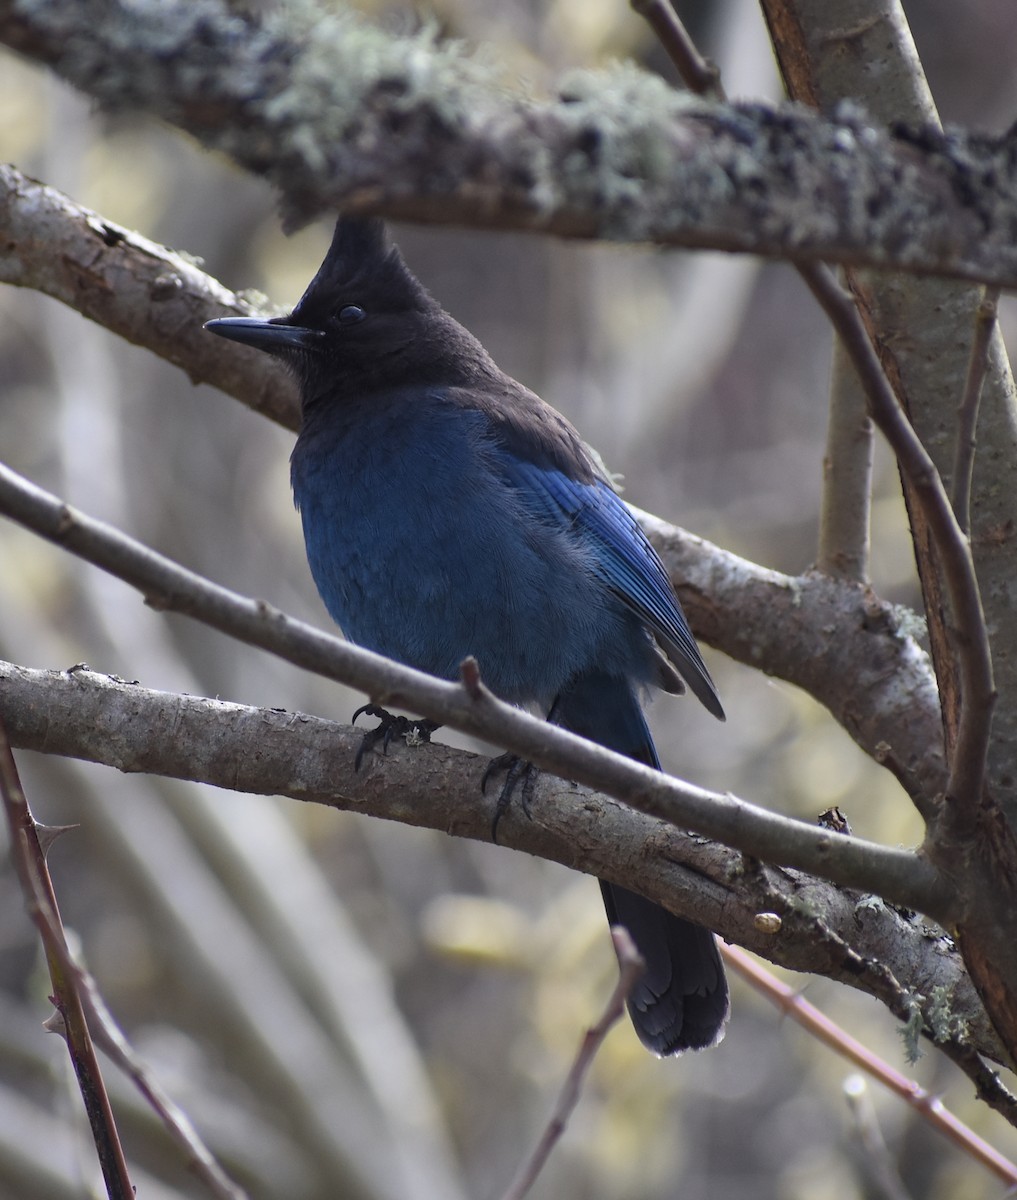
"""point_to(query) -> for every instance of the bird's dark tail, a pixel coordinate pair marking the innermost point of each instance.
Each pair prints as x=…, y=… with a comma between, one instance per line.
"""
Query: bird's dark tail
x=681, y=1002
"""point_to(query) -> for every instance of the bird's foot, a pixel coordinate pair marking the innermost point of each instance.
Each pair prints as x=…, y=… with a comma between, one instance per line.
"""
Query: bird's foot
x=517, y=771
x=413, y=731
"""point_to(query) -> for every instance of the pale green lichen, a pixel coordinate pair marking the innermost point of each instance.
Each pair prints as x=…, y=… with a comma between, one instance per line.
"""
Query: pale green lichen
x=329, y=107
x=909, y=623
x=911, y=1031
x=946, y=1024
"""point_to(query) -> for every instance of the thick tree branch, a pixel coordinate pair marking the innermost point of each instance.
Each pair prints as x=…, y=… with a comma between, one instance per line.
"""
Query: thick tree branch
x=337, y=114
x=822, y=929
x=872, y=675
x=836, y=639
x=897, y=875
x=922, y=331
x=143, y=292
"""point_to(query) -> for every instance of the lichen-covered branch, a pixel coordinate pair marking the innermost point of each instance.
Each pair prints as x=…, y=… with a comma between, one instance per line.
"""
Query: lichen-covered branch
x=338, y=114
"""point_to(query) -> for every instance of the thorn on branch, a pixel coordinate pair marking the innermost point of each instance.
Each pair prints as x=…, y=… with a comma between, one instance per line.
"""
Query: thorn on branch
x=469, y=674
x=48, y=834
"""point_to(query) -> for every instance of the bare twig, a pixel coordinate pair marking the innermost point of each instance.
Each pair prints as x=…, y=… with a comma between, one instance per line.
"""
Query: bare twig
x=967, y=770
x=110, y=1038
x=847, y=476
x=699, y=74
x=847, y=465
x=877, y=1165
x=40, y=899
x=899, y=875
x=630, y=967
x=989, y=1086
x=927, y=1105
x=978, y=695
x=967, y=413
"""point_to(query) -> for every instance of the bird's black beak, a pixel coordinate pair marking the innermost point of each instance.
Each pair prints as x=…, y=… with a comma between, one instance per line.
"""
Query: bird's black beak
x=274, y=337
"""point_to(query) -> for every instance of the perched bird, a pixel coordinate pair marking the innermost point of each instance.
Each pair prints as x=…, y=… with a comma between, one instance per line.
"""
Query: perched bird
x=447, y=512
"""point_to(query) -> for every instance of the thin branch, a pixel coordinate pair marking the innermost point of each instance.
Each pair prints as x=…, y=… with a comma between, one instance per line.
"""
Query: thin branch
x=877, y=1166
x=819, y=52
x=110, y=1038
x=967, y=413
x=698, y=74
x=967, y=770
x=898, y=875
x=847, y=464
x=847, y=476
x=824, y=930
x=925, y=1103
x=40, y=900
x=630, y=968
x=356, y=119
x=989, y=1086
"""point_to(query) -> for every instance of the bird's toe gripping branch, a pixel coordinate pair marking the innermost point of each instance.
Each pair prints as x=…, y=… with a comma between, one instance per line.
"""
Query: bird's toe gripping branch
x=516, y=770
x=411, y=730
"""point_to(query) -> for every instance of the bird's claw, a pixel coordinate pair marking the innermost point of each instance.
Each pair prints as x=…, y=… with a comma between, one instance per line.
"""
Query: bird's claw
x=516, y=770
x=414, y=732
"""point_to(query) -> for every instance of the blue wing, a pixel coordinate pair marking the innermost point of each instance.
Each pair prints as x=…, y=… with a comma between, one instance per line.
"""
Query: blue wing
x=626, y=560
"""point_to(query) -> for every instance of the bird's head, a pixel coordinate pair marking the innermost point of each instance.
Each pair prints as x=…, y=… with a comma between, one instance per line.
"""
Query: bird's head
x=364, y=321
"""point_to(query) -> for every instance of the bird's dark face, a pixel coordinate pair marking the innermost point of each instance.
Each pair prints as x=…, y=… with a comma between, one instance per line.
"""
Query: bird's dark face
x=354, y=324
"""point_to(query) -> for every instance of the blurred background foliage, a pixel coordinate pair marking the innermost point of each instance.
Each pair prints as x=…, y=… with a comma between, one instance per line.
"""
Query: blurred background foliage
x=350, y=1008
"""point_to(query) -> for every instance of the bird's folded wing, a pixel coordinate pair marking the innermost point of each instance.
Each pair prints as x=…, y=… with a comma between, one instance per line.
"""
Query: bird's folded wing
x=624, y=557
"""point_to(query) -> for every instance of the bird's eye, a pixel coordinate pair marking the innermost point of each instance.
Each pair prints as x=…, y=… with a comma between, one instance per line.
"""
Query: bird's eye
x=351, y=314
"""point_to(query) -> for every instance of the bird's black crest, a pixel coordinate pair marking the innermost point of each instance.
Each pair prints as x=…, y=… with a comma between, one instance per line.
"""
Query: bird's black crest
x=362, y=263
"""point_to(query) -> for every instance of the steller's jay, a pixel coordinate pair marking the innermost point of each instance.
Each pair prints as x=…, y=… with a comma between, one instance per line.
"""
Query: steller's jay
x=447, y=512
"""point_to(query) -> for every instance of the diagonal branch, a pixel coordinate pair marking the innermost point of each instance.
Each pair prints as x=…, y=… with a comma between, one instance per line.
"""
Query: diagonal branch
x=974, y=659
x=70, y=1018
x=899, y=875
x=338, y=114
x=847, y=464
x=143, y=292
x=925, y=1103
x=631, y=967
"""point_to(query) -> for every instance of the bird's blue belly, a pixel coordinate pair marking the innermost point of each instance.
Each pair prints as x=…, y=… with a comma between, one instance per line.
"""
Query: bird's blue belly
x=423, y=552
